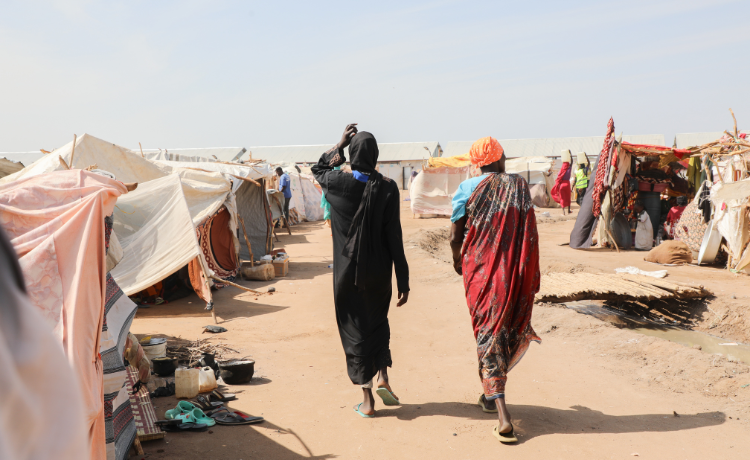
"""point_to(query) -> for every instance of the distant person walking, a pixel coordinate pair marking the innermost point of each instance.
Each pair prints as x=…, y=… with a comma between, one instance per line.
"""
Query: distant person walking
x=367, y=246
x=286, y=189
x=581, y=179
x=561, y=190
x=496, y=247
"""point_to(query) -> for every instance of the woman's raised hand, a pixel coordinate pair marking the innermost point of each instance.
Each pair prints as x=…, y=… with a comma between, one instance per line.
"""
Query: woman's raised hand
x=346, y=138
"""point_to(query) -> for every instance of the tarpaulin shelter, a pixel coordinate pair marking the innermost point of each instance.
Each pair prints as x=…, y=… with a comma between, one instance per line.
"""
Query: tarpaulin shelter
x=56, y=223
x=152, y=219
x=305, y=194
x=432, y=190
x=248, y=185
x=726, y=171
x=608, y=191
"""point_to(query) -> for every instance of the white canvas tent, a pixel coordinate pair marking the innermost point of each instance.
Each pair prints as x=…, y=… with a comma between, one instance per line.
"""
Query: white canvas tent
x=248, y=186
x=151, y=220
x=432, y=191
x=305, y=195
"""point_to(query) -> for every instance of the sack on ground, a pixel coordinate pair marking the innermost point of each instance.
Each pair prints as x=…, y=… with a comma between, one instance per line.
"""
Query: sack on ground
x=670, y=252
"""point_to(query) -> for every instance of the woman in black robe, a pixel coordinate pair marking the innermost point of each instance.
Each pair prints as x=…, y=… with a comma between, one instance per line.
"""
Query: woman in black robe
x=367, y=245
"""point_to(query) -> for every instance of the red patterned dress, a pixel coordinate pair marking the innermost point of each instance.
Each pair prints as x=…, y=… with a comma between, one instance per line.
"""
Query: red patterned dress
x=501, y=275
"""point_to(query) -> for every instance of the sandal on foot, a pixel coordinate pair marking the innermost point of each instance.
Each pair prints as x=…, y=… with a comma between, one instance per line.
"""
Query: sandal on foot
x=484, y=408
x=356, y=409
x=388, y=397
x=222, y=397
x=507, y=438
x=236, y=418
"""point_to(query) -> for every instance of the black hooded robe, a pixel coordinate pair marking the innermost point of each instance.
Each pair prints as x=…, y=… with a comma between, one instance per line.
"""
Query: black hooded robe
x=362, y=311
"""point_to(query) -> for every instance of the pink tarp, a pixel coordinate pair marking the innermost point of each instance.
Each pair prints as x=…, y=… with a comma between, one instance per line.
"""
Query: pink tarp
x=56, y=224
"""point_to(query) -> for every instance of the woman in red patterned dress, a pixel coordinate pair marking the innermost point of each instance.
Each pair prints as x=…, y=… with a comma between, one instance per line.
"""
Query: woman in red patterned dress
x=496, y=248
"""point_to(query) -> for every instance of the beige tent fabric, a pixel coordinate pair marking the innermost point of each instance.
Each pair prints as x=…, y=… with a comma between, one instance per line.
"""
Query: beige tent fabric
x=154, y=225
x=204, y=192
x=432, y=190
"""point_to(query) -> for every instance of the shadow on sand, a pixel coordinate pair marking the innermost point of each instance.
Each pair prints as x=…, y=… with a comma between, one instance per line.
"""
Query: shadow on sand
x=533, y=421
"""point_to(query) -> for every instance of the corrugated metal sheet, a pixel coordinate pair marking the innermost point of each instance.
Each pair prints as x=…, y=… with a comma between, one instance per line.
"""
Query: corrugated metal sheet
x=686, y=140
x=221, y=153
x=551, y=147
x=402, y=151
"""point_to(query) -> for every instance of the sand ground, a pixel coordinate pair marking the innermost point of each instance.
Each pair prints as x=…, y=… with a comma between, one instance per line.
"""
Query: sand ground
x=590, y=390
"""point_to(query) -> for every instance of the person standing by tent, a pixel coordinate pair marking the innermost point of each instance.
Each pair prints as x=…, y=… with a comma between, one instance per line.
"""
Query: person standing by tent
x=495, y=246
x=286, y=189
x=581, y=179
x=644, y=231
x=561, y=190
x=367, y=246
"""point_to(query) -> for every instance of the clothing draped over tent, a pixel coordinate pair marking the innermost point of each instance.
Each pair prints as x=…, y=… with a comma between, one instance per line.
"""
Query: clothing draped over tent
x=56, y=224
x=602, y=169
x=501, y=275
x=367, y=245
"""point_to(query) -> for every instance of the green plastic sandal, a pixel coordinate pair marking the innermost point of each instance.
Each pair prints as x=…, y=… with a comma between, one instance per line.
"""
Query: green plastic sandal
x=183, y=407
x=201, y=417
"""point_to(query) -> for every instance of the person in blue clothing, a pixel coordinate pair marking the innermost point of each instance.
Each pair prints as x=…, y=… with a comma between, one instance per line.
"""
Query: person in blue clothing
x=286, y=189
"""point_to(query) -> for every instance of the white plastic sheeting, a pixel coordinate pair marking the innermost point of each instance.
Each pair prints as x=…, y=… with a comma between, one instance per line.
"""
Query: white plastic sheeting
x=205, y=192
x=729, y=216
x=177, y=193
x=305, y=195
x=432, y=190
x=156, y=233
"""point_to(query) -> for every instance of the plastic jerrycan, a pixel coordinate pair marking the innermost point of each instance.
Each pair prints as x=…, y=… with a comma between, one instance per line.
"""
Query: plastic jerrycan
x=186, y=383
x=207, y=380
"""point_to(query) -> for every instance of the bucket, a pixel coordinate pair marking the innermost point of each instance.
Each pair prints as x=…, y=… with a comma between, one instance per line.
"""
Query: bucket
x=156, y=348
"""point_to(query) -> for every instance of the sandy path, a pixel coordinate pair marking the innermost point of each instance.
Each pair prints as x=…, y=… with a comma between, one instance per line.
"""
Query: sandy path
x=586, y=392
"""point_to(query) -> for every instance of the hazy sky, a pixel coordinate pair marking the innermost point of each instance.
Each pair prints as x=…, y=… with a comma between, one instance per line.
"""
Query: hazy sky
x=222, y=73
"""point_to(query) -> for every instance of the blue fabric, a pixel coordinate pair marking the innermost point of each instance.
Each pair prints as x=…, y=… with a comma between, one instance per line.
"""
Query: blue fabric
x=465, y=189
x=360, y=177
x=284, y=181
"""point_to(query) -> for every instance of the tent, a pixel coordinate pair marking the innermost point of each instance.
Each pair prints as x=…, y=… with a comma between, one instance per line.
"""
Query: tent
x=305, y=194
x=432, y=190
x=149, y=221
x=58, y=225
x=248, y=185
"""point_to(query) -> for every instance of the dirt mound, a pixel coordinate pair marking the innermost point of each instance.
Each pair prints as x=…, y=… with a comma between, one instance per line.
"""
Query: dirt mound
x=436, y=243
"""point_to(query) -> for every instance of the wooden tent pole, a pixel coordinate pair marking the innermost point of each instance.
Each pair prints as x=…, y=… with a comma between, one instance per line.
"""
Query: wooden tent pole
x=72, y=152
x=141, y=147
x=62, y=162
x=235, y=285
x=735, y=123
